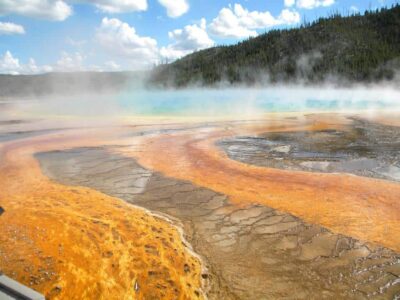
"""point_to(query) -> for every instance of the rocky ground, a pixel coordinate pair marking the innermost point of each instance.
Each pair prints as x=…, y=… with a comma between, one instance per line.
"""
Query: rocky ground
x=251, y=252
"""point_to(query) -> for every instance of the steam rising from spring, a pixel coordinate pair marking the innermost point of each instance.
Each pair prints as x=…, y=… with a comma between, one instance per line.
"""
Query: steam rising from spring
x=239, y=103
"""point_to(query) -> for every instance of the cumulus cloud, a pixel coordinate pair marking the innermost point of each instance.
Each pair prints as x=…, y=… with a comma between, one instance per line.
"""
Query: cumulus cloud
x=310, y=4
x=121, y=41
x=238, y=22
x=190, y=38
x=118, y=6
x=59, y=10
x=11, y=28
x=119, y=38
x=33, y=68
x=69, y=62
x=288, y=17
x=55, y=10
x=289, y=3
x=175, y=8
x=11, y=65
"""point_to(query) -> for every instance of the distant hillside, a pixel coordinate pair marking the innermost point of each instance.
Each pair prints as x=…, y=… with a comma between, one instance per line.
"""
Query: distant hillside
x=66, y=84
x=358, y=48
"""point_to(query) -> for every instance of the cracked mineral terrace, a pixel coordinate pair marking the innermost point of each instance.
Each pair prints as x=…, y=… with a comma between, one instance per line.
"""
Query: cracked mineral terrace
x=251, y=252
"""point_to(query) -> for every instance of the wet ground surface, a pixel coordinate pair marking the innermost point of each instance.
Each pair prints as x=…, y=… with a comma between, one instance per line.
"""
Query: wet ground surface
x=365, y=149
x=18, y=135
x=12, y=122
x=252, y=252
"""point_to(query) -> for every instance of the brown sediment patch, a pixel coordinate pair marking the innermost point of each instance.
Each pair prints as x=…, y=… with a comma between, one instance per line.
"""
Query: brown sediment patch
x=364, y=208
x=77, y=243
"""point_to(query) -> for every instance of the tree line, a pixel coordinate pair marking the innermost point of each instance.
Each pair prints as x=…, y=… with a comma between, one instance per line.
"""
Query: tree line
x=356, y=48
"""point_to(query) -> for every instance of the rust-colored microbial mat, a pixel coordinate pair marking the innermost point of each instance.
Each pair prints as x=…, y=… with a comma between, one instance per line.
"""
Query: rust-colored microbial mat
x=72, y=242
x=365, y=208
x=76, y=243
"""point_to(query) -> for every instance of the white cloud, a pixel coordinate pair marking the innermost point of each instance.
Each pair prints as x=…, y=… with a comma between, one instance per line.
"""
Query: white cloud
x=32, y=68
x=121, y=41
x=238, y=22
x=69, y=62
x=118, y=38
x=118, y=6
x=289, y=17
x=59, y=10
x=11, y=65
x=289, y=3
x=175, y=8
x=190, y=38
x=75, y=62
x=11, y=28
x=310, y=4
x=55, y=10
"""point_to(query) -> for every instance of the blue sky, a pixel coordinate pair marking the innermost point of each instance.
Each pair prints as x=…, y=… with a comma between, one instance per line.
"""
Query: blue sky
x=67, y=35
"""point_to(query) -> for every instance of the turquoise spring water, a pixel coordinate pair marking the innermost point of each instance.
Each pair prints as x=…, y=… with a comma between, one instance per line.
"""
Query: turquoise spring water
x=250, y=102
x=214, y=103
